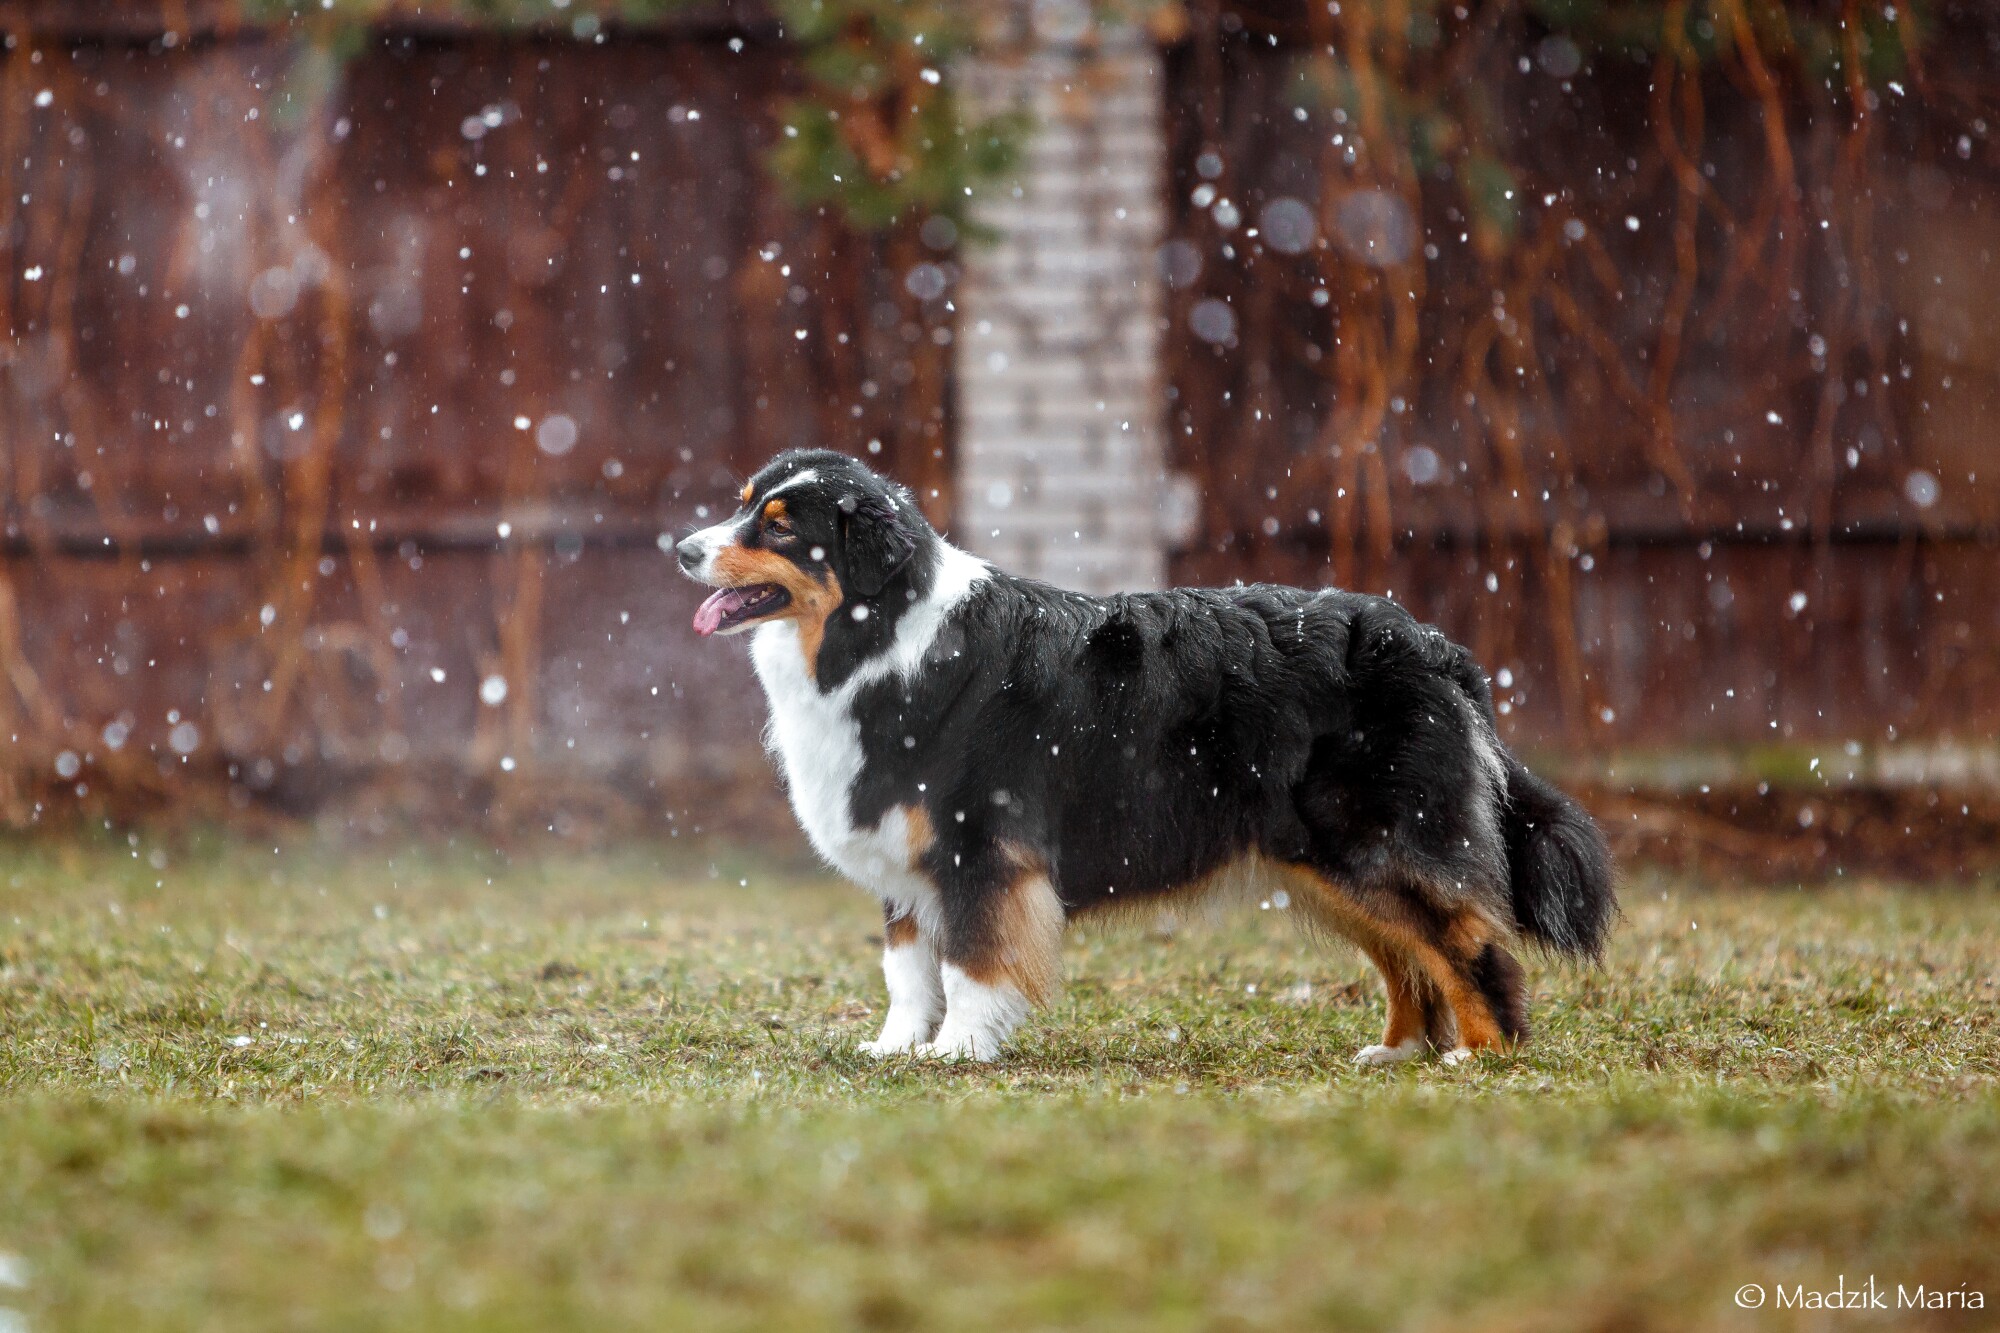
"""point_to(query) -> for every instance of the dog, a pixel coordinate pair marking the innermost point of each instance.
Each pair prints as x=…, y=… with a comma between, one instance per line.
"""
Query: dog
x=992, y=757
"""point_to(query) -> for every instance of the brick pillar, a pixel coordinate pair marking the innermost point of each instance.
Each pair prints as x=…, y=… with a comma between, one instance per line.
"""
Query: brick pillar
x=1060, y=415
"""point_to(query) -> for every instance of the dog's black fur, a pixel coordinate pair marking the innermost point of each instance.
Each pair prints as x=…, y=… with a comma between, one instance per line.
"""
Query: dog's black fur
x=1133, y=747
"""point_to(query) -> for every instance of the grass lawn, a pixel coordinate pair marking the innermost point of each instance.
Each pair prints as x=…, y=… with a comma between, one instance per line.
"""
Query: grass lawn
x=259, y=1089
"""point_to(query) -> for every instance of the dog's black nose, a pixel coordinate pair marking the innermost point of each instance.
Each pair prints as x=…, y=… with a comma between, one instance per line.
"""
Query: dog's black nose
x=690, y=554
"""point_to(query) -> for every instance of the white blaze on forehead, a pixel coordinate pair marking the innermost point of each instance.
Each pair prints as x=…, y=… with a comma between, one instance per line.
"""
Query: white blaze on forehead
x=802, y=478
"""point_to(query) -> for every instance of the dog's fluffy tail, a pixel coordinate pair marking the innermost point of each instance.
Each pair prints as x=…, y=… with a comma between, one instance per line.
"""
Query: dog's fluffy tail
x=1559, y=865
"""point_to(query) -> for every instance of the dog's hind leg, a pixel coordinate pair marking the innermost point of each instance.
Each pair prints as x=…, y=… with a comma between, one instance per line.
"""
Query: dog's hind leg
x=1413, y=1007
x=1417, y=1016
x=1498, y=978
x=1451, y=984
x=1482, y=986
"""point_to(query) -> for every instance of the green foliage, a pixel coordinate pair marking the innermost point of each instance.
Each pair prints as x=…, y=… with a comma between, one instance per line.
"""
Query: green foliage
x=878, y=134
x=1809, y=30
x=1454, y=128
x=1490, y=189
x=937, y=158
x=493, y=13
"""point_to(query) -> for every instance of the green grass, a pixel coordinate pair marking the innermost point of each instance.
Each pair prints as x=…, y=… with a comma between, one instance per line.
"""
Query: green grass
x=305, y=1089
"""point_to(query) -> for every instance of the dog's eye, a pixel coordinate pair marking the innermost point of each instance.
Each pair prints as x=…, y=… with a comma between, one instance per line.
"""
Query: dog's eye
x=777, y=527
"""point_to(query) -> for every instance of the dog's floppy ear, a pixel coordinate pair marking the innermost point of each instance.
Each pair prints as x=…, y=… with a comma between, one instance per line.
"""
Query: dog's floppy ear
x=876, y=540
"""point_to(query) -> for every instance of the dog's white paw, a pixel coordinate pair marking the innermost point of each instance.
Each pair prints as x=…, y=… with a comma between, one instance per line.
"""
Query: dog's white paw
x=899, y=1036
x=1458, y=1055
x=1376, y=1056
x=884, y=1047
x=951, y=1046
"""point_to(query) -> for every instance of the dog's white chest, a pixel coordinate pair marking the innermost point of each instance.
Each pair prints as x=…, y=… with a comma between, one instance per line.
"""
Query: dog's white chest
x=818, y=746
x=818, y=741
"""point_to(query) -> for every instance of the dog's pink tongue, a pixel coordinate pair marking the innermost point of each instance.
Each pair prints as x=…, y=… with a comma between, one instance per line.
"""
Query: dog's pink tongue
x=709, y=616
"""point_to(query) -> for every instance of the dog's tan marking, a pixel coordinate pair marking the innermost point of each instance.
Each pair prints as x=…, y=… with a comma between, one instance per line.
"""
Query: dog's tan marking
x=920, y=833
x=1408, y=1016
x=774, y=508
x=900, y=932
x=813, y=599
x=749, y=489
x=1478, y=1026
x=1468, y=933
x=1023, y=947
x=816, y=600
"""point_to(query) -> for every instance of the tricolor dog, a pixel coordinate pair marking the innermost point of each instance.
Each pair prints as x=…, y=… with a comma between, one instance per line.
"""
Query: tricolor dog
x=992, y=757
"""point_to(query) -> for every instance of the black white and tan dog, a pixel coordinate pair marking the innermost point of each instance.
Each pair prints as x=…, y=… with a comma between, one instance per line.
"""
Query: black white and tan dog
x=993, y=756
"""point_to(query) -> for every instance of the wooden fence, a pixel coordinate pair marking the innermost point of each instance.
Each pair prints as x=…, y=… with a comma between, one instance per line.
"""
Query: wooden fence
x=350, y=399
x=349, y=394
x=1669, y=383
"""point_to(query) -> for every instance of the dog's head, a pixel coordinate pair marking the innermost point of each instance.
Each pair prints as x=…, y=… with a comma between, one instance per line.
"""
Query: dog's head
x=815, y=530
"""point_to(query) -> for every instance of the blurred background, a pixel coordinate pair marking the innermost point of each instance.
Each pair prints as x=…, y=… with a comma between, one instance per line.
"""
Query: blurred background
x=364, y=357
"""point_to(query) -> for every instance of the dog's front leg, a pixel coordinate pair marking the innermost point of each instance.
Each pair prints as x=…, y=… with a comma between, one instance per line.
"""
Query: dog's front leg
x=1002, y=955
x=979, y=1016
x=916, y=991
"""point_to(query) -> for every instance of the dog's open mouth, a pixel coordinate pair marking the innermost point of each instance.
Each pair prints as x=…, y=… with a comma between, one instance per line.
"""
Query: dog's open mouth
x=730, y=609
